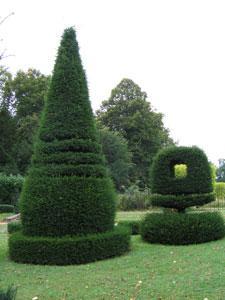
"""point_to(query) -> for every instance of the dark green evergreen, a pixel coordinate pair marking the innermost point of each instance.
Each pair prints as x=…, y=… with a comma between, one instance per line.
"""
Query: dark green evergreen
x=67, y=192
x=176, y=193
x=182, y=229
x=69, y=250
x=198, y=179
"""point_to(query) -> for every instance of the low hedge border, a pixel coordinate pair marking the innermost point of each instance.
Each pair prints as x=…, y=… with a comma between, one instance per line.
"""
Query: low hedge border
x=69, y=250
x=182, y=229
x=181, y=201
x=133, y=225
x=14, y=226
x=6, y=208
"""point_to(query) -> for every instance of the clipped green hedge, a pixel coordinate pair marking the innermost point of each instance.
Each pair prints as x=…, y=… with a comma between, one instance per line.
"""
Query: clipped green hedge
x=69, y=250
x=10, y=188
x=198, y=179
x=5, y=208
x=14, y=226
x=68, y=190
x=181, y=229
x=73, y=205
x=180, y=202
x=133, y=225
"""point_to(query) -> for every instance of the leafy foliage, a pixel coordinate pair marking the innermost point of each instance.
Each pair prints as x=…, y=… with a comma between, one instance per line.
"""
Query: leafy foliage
x=128, y=112
x=134, y=199
x=220, y=172
x=181, y=202
x=69, y=250
x=10, y=187
x=220, y=190
x=7, y=137
x=14, y=226
x=67, y=184
x=118, y=157
x=182, y=229
x=198, y=179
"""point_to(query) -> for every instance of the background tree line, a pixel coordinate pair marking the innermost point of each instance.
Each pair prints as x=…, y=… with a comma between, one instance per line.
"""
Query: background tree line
x=131, y=132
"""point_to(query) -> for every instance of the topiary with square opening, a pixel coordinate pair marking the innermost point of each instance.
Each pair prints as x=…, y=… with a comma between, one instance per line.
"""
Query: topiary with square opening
x=193, y=188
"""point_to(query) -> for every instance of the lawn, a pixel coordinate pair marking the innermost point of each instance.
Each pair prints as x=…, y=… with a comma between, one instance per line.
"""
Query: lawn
x=147, y=272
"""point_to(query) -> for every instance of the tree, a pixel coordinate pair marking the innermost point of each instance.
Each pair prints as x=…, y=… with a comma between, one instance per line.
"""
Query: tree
x=67, y=193
x=220, y=172
x=128, y=112
x=118, y=157
x=7, y=137
x=24, y=96
x=5, y=78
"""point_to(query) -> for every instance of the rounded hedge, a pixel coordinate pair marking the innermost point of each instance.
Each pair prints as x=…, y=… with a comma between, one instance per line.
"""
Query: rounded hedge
x=198, y=179
x=69, y=250
x=182, y=229
x=68, y=190
x=180, y=202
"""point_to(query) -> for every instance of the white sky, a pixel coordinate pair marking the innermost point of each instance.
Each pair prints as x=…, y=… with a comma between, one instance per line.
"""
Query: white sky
x=175, y=50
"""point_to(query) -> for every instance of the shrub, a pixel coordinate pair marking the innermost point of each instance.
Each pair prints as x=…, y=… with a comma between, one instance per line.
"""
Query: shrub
x=134, y=199
x=199, y=175
x=67, y=191
x=67, y=183
x=69, y=250
x=10, y=188
x=180, y=202
x=181, y=229
x=14, y=226
x=133, y=225
x=5, y=208
x=10, y=294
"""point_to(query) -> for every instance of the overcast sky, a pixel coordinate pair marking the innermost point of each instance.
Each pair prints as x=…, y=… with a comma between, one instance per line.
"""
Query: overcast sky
x=174, y=50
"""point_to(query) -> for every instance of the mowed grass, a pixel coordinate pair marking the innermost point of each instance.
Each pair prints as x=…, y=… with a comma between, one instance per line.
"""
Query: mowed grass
x=146, y=272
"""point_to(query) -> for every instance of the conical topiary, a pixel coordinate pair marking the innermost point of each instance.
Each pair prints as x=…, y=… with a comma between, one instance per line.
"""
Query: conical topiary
x=67, y=191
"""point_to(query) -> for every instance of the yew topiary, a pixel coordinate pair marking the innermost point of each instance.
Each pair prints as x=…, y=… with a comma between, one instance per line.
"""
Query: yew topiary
x=181, y=178
x=67, y=191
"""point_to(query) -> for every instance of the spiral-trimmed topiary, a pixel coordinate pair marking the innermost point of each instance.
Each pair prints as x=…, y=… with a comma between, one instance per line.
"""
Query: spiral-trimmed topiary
x=67, y=191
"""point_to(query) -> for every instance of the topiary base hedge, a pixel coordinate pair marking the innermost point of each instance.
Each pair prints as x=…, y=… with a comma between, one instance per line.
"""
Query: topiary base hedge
x=69, y=250
x=182, y=229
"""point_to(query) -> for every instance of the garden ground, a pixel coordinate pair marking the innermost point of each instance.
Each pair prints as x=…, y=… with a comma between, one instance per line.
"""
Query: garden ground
x=146, y=272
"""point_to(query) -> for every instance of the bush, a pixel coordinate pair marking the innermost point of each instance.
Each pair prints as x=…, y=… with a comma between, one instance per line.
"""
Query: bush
x=67, y=190
x=14, y=226
x=180, y=202
x=10, y=188
x=10, y=294
x=134, y=199
x=133, y=225
x=199, y=175
x=181, y=229
x=69, y=250
x=5, y=208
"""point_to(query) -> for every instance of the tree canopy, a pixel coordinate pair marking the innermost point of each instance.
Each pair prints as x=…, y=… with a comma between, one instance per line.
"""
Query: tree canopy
x=128, y=112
